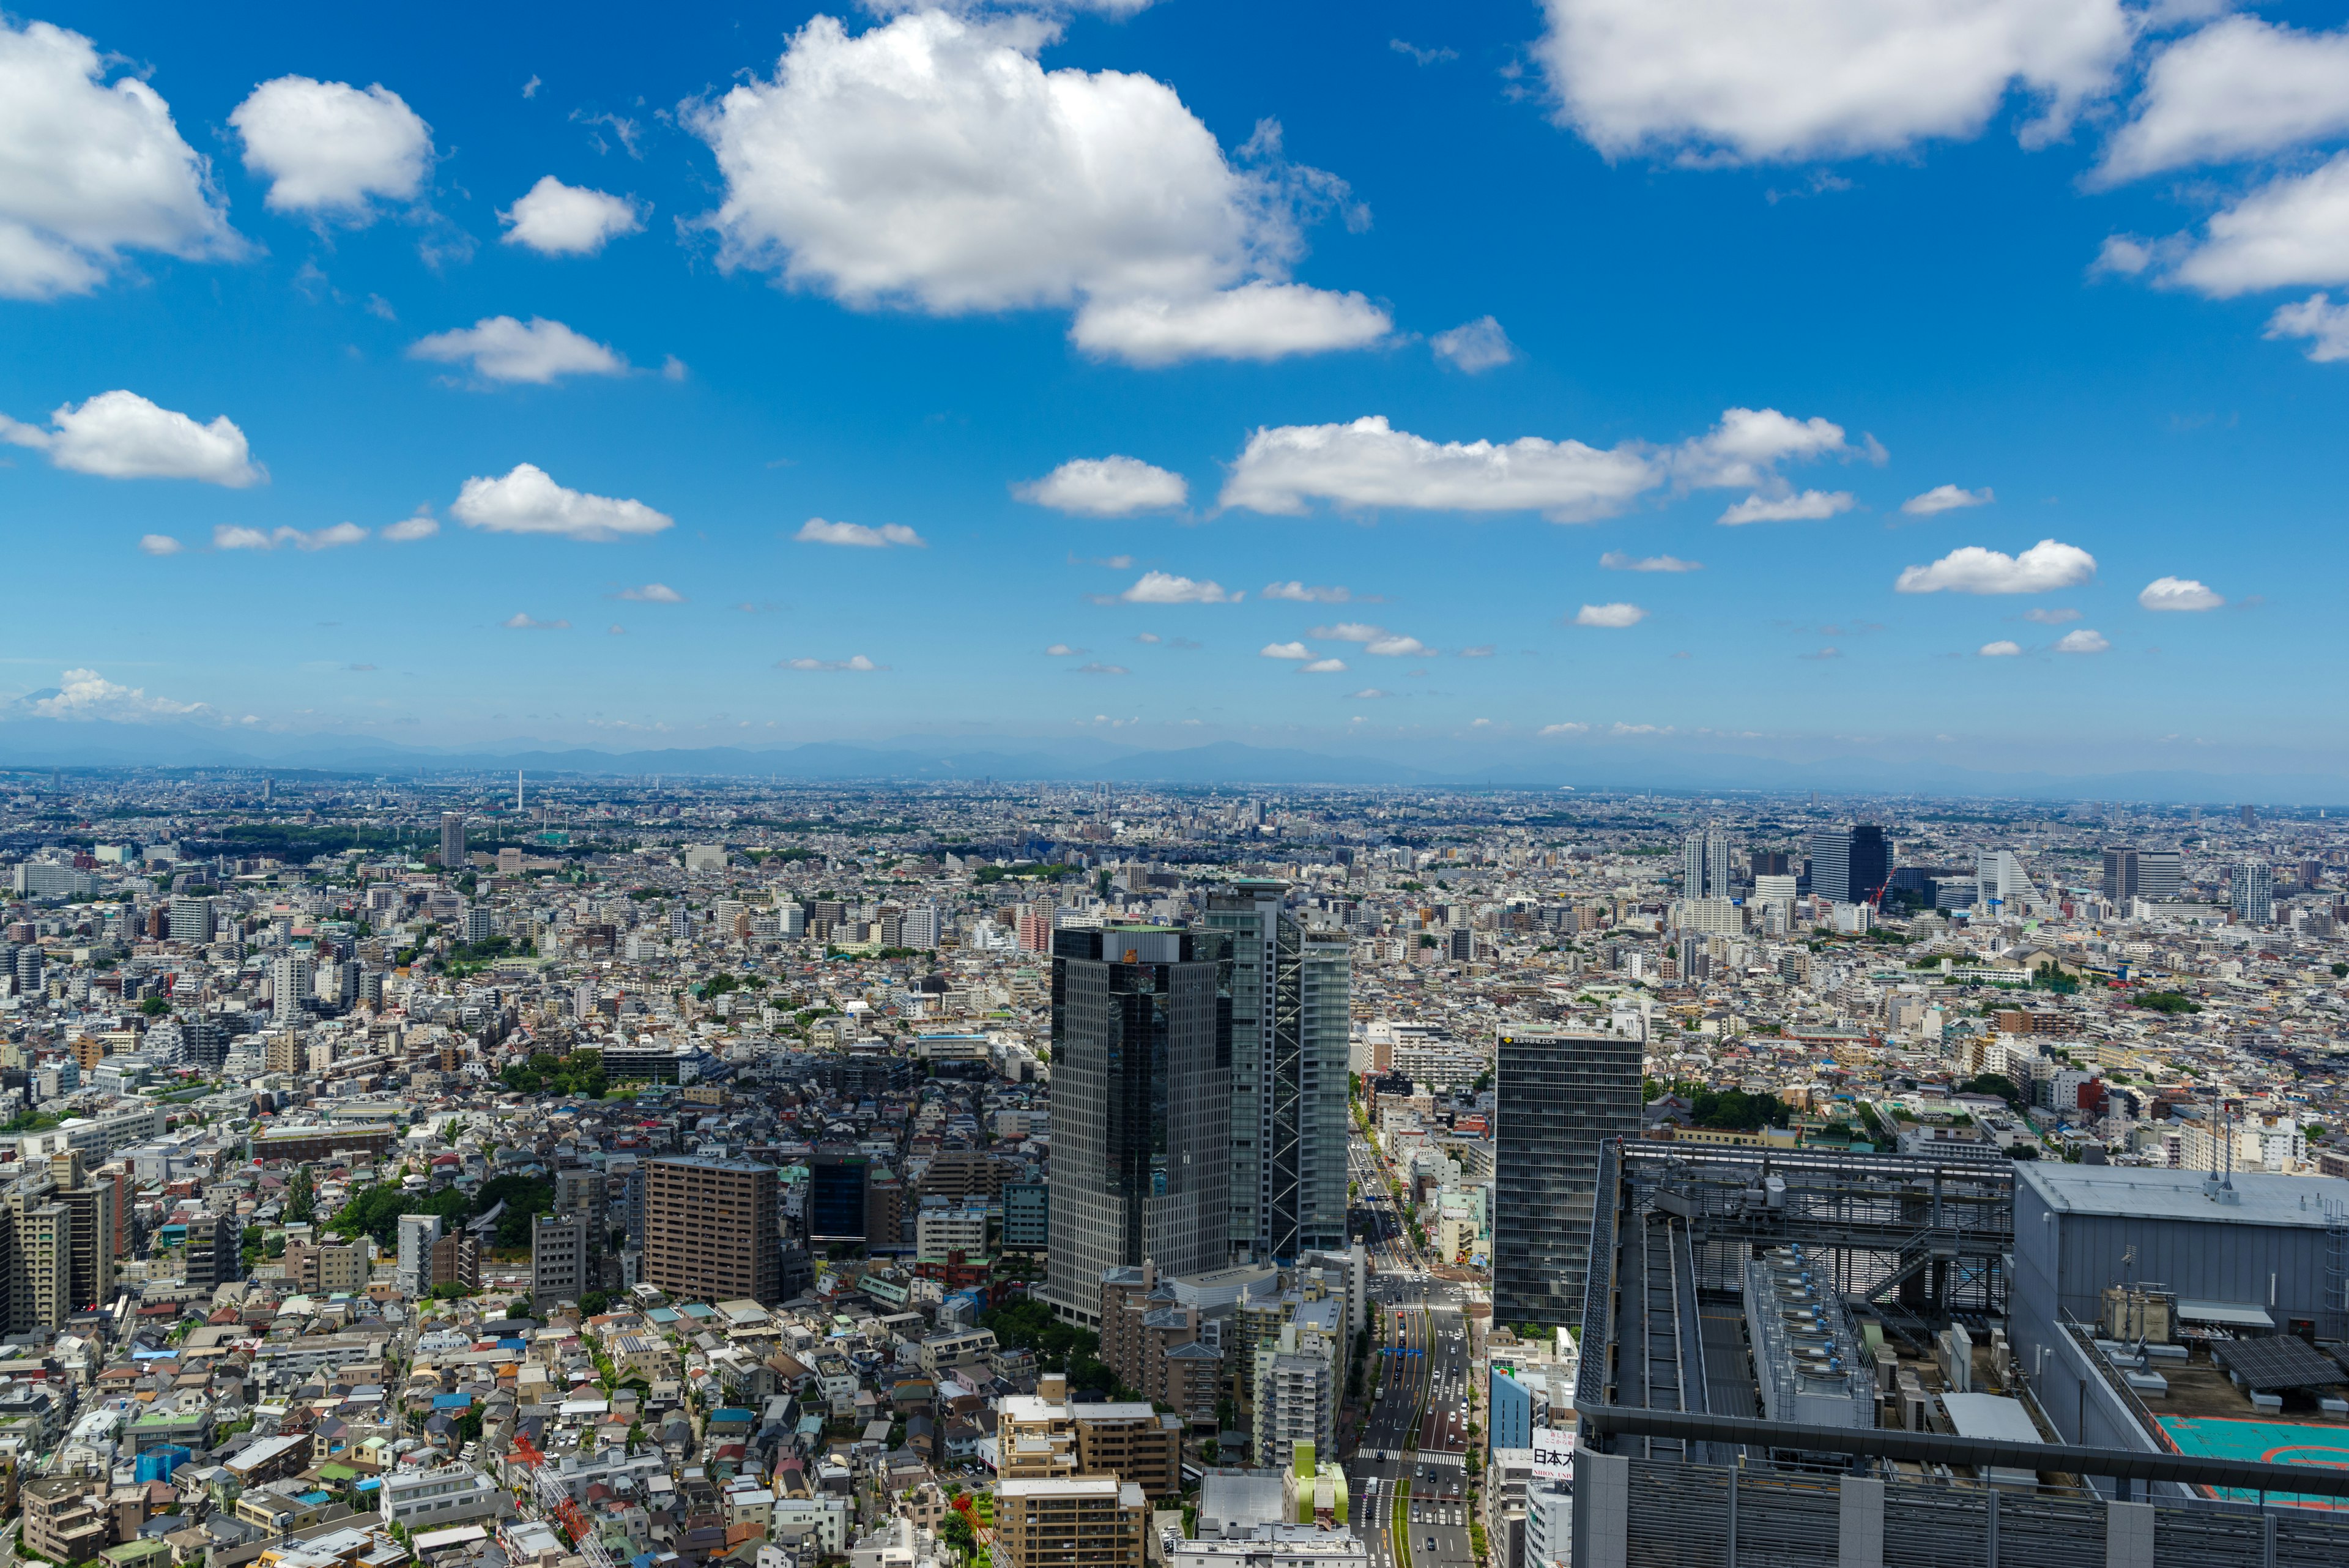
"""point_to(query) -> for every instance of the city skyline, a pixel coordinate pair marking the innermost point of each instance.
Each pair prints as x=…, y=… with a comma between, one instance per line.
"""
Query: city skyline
x=1509, y=389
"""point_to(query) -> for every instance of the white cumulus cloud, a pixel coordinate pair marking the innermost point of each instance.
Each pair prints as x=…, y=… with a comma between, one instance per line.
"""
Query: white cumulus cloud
x=501, y=349
x=1062, y=650
x=89, y=169
x=2292, y=230
x=857, y=665
x=87, y=695
x=160, y=545
x=2237, y=88
x=1614, y=615
x=1617, y=561
x=1972, y=569
x=1733, y=82
x=1946, y=498
x=331, y=148
x=2082, y=641
x=1568, y=728
x=1396, y=647
x=2000, y=650
x=2324, y=324
x=652, y=594
x=231, y=536
x=1350, y=631
x=1474, y=346
x=121, y=435
x=931, y=162
x=1303, y=593
x=519, y=621
x=409, y=530
x=558, y=220
x=1804, y=506
x=1109, y=486
x=1323, y=667
x=529, y=500
x=856, y=536
x=2177, y=594
x=1166, y=589
x=1283, y=650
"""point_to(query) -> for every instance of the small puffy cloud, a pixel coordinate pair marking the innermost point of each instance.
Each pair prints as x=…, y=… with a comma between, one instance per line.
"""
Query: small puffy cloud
x=2000, y=650
x=1565, y=729
x=1946, y=498
x=1396, y=647
x=409, y=530
x=1350, y=631
x=160, y=545
x=1259, y=321
x=1971, y=570
x=1808, y=505
x=1474, y=346
x=1102, y=670
x=329, y=148
x=1742, y=452
x=2082, y=641
x=558, y=220
x=2177, y=594
x=2324, y=324
x=1283, y=650
x=1296, y=592
x=1614, y=615
x=1105, y=487
x=1721, y=81
x=89, y=169
x=2050, y=615
x=529, y=500
x=652, y=594
x=519, y=621
x=932, y=163
x=1166, y=589
x=1367, y=694
x=84, y=694
x=856, y=536
x=1062, y=650
x=858, y=665
x=1617, y=561
x=121, y=435
x=2237, y=88
x=2291, y=230
x=1153, y=639
x=1323, y=667
x=501, y=349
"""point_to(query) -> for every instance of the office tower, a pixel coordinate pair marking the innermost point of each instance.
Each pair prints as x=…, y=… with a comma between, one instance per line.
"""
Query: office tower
x=1142, y=1119
x=2120, y=873
x=1849, y=864
x=710, y=1228
x=2252, y=892
x=835, y=1204
x=1704, y=864
x=452, y=841
x=28, y=970
x=190, y=920
x=2003, y=885
x=1560, y=1095
x=2160, y=873
x=1767, y=862
x=291, y=978
x=559, y=1269
x=1290, y=1018
x=416, y=1234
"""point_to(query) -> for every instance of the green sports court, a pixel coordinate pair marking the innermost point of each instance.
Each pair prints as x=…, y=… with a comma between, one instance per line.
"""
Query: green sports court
x=2270, y=1442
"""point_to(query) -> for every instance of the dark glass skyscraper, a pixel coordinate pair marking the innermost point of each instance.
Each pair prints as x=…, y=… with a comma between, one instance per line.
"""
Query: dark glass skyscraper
x=1850, y=863
x=1560, y=1097
x=1140, y=1108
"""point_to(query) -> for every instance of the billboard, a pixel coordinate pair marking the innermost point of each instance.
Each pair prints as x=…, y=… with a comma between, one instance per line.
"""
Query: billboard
x=1553, y=1453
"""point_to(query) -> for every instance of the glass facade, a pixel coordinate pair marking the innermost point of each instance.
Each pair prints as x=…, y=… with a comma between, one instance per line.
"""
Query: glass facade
x=1560, y=1095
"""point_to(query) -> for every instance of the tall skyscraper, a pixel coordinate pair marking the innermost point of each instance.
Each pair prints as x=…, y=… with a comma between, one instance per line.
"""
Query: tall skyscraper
x=1850, y=863
x=1141, y=1118
x=2252, y=892
x=2120, y=873
x=1290, y=1019
x=2160, y=873
x=710, y=1228
x=1704, y=864
x=1561, y=1095
x=452, y=841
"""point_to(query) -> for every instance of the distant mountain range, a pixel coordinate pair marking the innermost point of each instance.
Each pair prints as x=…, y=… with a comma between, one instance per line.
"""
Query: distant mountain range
x=50, y=743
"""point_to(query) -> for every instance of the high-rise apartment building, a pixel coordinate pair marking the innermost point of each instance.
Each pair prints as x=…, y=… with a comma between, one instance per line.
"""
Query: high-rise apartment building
x=710, y=1228
x=293, y=979
x=1290, y=991
x=190, y=920
x=2252, y=893
x=452, y=841
x=558, y=1259
x=416, y=1234
x=1704, y=864
x=1141, y=1121
x=2120, y=883
x=1074, y=1521
x=215, y=1251
x=1560, y=1097
x=1848, y=865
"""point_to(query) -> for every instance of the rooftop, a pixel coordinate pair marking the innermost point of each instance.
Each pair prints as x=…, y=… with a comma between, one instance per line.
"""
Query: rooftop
x=2144, y=1192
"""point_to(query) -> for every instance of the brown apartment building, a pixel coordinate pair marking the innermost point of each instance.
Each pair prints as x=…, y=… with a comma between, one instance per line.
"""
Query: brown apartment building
x=1082, y=1521
x=710, y=1228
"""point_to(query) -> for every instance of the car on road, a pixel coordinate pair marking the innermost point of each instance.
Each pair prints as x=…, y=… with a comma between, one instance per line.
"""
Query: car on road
x=1431, y=1543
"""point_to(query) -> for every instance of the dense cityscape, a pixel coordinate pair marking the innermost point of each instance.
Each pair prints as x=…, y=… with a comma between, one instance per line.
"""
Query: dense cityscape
x=669, y=1170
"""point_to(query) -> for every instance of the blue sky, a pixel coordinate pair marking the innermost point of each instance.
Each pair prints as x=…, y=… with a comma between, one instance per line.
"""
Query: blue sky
x=1801, y=263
